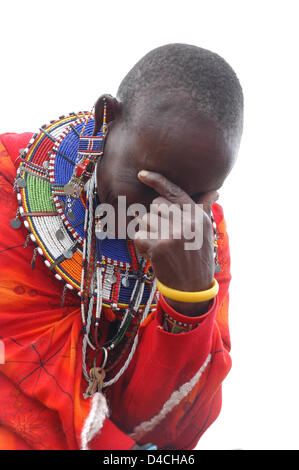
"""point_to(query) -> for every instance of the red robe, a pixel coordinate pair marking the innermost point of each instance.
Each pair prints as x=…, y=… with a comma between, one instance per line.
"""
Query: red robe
x=171, y=391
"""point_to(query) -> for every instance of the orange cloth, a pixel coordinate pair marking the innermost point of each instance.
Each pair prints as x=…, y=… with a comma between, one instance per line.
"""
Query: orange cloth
x=41, y=381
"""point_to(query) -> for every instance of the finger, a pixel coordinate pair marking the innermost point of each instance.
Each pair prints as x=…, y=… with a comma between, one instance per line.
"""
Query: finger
x=164, y=186
x=169, y=216
x=149, y=222
x=163, y=207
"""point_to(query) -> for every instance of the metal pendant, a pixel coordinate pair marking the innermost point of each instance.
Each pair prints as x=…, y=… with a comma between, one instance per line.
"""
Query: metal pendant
x=68, y=254
x=125, y=282
x=68, y=189
x=35, y=251
x=59, y=234
x=96, y=381
x=71, y=216
x=20, y=182
x=15, y=223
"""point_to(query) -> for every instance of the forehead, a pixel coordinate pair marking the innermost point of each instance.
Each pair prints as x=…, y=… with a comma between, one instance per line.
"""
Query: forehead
x=189, y=152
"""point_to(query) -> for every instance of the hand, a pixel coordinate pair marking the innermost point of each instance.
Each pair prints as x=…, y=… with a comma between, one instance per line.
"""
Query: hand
x=173, y=264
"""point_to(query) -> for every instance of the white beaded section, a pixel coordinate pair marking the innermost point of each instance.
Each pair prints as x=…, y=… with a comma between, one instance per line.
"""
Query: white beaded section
x=47, y=232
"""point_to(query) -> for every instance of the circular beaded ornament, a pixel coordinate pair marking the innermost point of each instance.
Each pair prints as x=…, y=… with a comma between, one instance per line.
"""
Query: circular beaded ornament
x=54, y=219
x=56, y=191
x=54, y=215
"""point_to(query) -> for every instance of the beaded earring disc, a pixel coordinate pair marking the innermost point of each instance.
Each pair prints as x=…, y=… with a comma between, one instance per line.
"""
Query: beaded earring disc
x=54, y=218
x=53, y=209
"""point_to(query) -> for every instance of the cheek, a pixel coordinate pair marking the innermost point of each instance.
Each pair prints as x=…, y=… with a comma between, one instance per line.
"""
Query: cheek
x=102, y=186
x=107, y=180
x=116, y=180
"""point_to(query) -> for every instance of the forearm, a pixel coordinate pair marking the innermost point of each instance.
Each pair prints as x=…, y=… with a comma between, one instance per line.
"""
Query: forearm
x=189, y=309
x=166, y=363
x=165, y=366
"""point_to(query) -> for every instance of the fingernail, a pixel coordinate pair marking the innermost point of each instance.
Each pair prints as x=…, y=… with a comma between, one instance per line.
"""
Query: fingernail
x=143, y=173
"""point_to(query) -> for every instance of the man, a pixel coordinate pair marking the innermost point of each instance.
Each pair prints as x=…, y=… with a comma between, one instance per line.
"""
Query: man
x=152, y=369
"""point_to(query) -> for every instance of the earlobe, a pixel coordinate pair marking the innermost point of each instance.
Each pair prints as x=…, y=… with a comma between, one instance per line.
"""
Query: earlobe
x=112, y=111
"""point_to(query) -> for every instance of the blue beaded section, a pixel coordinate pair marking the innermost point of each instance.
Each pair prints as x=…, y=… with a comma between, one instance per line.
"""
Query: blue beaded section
x=87, y=144
x=116, y=249
x=64, y=169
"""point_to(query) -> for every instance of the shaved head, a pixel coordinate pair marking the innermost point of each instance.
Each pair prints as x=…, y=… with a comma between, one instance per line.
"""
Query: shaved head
x=178, y=112
x=207, y=83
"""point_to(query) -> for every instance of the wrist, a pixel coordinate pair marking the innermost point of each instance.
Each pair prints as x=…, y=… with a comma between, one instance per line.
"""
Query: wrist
x=189, y=309
x=190, y=303
x=181, y=317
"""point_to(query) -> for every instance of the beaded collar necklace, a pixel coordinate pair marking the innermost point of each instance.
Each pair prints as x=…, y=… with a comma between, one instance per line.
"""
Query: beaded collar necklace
x=59, y=215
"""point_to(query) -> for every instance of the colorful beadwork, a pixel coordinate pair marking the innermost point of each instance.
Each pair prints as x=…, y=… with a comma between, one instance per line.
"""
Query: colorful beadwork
x=55, y=186
x=46, y=166
x=175, y=326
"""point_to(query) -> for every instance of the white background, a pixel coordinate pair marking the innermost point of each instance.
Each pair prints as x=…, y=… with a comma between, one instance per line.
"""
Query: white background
x=59, y=56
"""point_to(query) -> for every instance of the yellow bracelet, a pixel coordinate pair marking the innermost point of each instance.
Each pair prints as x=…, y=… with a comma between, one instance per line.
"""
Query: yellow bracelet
x=184, y=296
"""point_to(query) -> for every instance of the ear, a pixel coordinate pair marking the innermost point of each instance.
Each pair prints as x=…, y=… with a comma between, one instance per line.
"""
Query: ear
x=112, y=111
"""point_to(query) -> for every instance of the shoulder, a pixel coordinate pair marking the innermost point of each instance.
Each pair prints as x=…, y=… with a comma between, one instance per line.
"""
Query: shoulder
x=10, y=145
x=13, y=142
